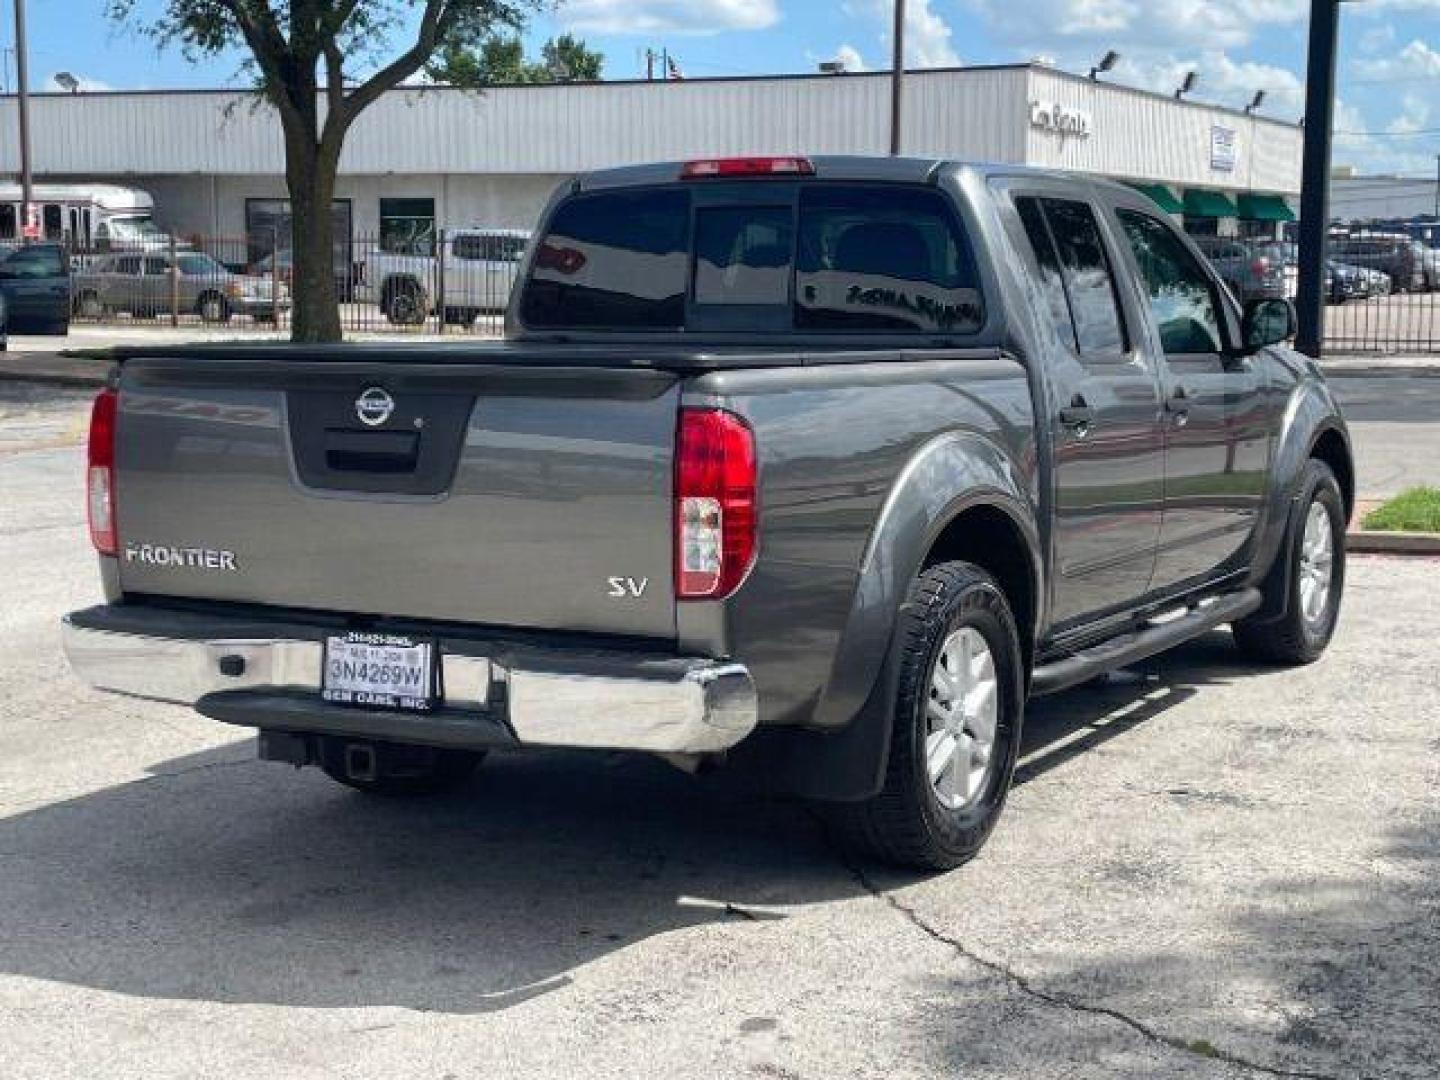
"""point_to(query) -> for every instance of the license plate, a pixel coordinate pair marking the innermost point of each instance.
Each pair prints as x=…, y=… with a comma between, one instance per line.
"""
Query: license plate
x=379, y=671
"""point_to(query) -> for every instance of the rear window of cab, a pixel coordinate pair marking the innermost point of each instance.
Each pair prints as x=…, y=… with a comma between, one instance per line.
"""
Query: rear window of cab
x=835, y=257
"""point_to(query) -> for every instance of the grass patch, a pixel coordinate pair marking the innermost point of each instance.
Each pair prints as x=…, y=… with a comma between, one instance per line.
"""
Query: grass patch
x=1416, y=510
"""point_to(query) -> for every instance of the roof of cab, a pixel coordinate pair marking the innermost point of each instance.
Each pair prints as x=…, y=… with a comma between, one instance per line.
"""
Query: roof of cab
x=910, y=170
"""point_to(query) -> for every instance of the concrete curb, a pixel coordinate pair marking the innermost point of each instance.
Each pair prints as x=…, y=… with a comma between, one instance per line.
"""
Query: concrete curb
x=1369, y=542
x=1379, y=371
x=53, y=369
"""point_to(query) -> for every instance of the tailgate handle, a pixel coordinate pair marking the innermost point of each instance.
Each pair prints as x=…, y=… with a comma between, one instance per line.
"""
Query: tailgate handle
x=372, y=451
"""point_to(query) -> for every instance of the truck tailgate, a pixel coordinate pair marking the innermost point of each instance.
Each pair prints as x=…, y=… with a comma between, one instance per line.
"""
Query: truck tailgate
x=485, y=493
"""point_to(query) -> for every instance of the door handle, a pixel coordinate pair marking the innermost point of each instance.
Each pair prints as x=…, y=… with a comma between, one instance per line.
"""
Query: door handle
x=1078, y=415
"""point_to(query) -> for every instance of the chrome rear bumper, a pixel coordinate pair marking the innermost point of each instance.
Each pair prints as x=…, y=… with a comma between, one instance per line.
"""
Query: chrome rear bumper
x=535, y=696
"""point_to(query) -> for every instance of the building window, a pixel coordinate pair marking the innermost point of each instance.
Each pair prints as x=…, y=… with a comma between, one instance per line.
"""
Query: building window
x=53, y=218
x=8, y=222
x=267, y=223
x=407, y=226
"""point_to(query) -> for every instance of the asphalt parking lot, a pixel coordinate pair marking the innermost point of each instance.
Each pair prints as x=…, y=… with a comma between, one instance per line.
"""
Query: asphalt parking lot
x=1207, y=869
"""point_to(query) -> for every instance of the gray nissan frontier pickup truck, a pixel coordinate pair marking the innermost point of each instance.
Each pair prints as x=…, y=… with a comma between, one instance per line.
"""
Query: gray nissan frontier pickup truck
x=821, y=465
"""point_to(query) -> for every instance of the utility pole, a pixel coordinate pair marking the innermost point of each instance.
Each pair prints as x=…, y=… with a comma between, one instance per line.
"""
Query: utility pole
x=897, y=78
x=1437, y=187
x=1315, y=173
x=27, y=187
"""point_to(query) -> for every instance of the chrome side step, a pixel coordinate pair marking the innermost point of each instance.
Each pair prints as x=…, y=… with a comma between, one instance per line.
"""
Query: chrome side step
x=1154, y=637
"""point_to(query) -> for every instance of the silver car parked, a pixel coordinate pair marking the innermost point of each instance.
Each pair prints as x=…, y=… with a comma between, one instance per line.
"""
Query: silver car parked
x=141, y=284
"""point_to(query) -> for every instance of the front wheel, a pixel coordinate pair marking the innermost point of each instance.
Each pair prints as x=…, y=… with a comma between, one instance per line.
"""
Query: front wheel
x=213, y=308
x=1312, y=577
x=957, y=720
x=406, y=305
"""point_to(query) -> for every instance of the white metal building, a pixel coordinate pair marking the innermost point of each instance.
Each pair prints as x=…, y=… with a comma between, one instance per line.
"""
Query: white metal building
x=213, y=160
x=1361, y=198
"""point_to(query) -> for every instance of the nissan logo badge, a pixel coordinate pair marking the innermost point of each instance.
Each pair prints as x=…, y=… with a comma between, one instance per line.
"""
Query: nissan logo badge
x=374, y=406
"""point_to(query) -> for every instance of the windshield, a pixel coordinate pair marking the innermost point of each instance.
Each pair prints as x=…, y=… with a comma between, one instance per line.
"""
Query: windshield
x=135, y=228
x=199, y=266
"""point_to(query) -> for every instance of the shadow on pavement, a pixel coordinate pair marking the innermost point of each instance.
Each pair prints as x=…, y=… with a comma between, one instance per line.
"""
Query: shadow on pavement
x=221, y=878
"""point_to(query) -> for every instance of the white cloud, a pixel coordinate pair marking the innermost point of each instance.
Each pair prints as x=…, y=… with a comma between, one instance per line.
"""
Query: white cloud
x=1415, y=60
x=927, y=34
x=1155, y=24
x=1222, y=80
x=927, y=38
x=850, y=56
x=668, y=16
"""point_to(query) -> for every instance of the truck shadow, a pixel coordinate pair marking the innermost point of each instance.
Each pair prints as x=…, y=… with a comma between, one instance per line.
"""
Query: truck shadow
x=220, y=878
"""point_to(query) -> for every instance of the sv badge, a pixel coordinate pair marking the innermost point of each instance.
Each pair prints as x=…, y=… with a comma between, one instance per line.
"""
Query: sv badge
x=628, y=588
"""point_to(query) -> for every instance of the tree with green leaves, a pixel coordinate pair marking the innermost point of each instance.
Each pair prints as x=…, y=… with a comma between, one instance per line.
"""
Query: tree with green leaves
x=320, y=64
x=500, y=60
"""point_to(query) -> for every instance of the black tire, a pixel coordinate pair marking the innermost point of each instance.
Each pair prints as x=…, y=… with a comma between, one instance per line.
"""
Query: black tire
x=212, y=308
x=88, y=306
x=406, y=304
x=1295, y=638
x=906, y=823
x=401, y=769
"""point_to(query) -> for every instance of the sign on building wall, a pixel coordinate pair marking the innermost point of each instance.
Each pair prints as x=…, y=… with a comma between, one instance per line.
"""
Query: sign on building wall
x=1222, y=149
x=1066, y=122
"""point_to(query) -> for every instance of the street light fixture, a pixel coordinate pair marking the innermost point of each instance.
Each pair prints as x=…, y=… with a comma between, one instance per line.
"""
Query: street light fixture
x=1255, y=102
x=1107, y=63
x=1191, y=77
x=66, y=81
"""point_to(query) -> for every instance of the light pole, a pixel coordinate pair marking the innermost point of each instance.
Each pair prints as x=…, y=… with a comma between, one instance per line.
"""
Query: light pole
x=27, y=192
x=897, y=78
x=1315, y=173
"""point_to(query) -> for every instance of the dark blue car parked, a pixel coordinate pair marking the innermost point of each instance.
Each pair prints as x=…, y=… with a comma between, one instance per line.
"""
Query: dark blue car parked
x=35, y=289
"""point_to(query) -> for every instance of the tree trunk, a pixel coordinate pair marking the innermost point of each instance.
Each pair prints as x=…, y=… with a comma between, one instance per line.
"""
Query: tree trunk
x=310, y=175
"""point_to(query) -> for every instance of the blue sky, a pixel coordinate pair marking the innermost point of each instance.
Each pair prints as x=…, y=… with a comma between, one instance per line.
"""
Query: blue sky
x=1388, y=117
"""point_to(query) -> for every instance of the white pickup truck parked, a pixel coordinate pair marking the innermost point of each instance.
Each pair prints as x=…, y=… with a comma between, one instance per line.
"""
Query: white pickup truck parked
x=473, y=273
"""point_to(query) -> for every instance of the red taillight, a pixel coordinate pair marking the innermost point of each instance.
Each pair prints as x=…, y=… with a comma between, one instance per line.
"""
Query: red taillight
x=716, y=511
x=747, y=166
x=100, y=473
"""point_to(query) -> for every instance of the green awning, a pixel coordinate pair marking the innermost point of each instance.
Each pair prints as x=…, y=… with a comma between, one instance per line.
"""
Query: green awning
x=1162, y=196
x=1264, y=208
x=1202, y=203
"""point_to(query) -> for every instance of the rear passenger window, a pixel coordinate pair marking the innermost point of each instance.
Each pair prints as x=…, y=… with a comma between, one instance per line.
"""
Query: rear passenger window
x=616, y=260
x=1067, y=242
x=1052, y=283
x=35, y=262
x=887, y=259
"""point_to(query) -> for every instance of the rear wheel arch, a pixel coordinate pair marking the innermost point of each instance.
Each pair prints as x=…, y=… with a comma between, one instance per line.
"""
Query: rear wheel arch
x=1330, y=447
x=988, y=536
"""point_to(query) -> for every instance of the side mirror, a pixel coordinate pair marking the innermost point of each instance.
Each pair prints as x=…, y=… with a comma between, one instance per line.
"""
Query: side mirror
x=1268, y=322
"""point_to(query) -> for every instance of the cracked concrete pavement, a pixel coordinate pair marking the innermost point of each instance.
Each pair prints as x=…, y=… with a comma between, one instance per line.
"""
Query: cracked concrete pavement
x=1206, y=870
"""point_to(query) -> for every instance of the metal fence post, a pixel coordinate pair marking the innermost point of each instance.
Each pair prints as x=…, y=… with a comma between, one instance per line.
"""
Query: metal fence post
x=173, y=273
x=440, y=280
x=275, y=275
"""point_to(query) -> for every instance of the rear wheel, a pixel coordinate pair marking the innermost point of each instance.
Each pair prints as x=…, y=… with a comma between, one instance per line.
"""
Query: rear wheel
x=213, y=308
x=1313, y=578
x=88, y=306
x=405, y=304
x=396, y=768
x=956, y=723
